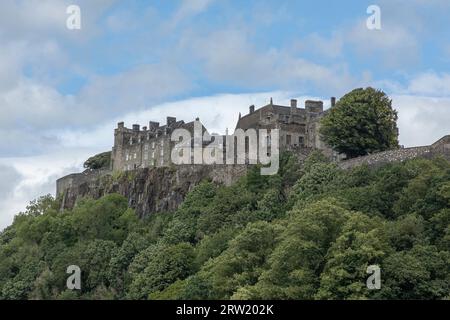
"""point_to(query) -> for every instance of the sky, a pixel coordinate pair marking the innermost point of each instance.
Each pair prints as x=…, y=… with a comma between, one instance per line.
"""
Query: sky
x=63, y=91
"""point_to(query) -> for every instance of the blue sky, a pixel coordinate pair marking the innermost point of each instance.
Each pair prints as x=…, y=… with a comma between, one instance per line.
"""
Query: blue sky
x=62, y=91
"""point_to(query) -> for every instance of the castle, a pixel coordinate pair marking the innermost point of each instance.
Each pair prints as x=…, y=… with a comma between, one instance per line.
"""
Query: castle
x=152, y=146
x=158, y=188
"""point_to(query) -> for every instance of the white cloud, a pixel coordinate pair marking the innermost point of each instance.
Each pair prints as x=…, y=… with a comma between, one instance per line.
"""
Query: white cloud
x=430, y=83
x=422, y=120
x=229, y=56
x=187, y=10
x=25, y=179
x=394, y=44
x=329, y=47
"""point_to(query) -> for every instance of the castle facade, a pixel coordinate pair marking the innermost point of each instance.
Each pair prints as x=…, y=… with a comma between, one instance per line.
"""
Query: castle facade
x=152, y=146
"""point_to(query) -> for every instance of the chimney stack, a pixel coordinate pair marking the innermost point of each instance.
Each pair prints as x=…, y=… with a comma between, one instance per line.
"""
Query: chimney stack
x=333, y=101
x=171, y=120
x=120, y=125
x=293, y=103
x=136, y=127
x=251, y=109
x=152, y=126
x=313, y=106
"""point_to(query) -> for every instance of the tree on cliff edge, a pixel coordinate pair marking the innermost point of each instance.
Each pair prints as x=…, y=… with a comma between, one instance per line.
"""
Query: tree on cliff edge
x=99, y=161
x=362, y=122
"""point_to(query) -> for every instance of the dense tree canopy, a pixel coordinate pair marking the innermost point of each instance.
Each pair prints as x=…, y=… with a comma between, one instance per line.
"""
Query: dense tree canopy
x=309, y=232
x=99, y=161
x=363, y=121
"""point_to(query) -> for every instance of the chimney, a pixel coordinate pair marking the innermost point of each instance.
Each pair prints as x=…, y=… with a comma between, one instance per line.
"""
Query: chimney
x=153, y=126
x=333, y=101
x=252, y=108
x=171, y=120
x=313, y=106
x=293, y=103
x=136, y=127
x=120, y=125
x=144, y=128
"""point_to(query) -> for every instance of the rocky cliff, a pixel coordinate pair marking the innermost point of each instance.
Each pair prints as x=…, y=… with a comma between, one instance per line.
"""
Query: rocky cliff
x=147, y=190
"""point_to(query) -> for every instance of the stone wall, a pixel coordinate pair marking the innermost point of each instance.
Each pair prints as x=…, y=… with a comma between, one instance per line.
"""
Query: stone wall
x=439, y=148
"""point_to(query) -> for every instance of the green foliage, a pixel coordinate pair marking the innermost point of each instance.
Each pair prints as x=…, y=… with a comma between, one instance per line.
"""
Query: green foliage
x=309, y=232
x=363, y=121
x=99, y=161
x=158, y=266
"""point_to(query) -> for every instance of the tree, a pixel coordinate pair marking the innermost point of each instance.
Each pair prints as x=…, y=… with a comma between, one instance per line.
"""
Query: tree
x=99, y=161
x=158, y=266
x=362, y=122
x=297, y=261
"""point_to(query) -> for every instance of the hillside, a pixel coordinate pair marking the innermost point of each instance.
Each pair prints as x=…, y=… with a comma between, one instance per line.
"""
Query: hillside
x=307, y=233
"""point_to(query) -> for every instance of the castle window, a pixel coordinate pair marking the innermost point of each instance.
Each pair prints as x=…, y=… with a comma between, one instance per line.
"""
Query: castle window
x=288, y=139
x=153, y=145
x=146, y=147
x=301, y=141
x=131, y=141
x=153, y=154
x=162, y=162
x=135, y=155
x=146, y=156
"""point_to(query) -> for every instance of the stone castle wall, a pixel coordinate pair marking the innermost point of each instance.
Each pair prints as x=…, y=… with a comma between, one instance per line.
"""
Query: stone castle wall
x=439, y=148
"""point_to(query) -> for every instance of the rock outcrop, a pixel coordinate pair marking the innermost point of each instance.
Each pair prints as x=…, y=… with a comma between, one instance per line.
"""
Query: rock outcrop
x=148, y=190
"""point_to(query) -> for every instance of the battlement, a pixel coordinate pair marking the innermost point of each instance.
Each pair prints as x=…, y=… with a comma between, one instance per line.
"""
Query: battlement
x=152, y=126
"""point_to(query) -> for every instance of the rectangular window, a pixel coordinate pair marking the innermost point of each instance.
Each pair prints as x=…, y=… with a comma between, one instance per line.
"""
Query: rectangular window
x=135, y=155
x=288, y=139
x=301, y=141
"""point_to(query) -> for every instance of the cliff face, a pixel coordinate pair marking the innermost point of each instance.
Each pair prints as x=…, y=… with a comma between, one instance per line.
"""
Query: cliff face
x=148, y=190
